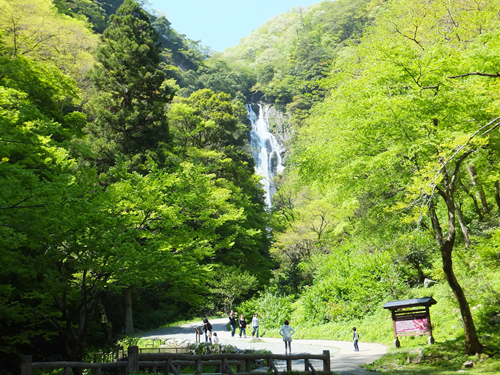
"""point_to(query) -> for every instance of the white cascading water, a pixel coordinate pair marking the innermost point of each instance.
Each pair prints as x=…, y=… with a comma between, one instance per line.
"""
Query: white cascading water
x=266, y=150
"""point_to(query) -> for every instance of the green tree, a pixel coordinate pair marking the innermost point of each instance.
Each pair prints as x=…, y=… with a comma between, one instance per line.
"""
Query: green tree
x=184, y=53
x=34, y=29
x=37, y=123
x=128, y=105
x=88, y=8
x=399, y=124
x=206, y=130
x=207, y=120
x=229, y=284
x=217, y=75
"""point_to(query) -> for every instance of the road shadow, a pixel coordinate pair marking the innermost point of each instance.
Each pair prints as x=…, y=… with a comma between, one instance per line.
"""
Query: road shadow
x=187, y=330
x=180, y=330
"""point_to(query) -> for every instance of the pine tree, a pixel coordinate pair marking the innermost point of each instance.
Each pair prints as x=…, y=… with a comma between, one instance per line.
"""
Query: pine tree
x=128, y=106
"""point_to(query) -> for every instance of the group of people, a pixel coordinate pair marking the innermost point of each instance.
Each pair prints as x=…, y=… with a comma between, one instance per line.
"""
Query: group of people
x=242, y=324
x=207, y=327
x=286, y=331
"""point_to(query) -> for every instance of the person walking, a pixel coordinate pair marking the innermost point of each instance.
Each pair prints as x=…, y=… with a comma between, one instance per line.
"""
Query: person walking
x=255, y=325
x=286, y=331
x=355, y=338
x=232, y=323
x=243, y=325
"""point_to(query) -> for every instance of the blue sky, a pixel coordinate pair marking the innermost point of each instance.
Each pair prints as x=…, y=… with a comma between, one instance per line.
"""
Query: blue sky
x=222, y=23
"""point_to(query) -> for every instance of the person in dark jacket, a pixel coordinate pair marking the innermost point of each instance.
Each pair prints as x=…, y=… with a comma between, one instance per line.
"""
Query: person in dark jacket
x=232, y=322
x=243, y=326
x=207, y=328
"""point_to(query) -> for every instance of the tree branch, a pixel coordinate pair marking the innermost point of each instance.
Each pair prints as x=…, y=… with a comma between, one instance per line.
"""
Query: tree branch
x=10, y=141
x=492, y=122
x=34, y=206
x=494, y=75
x=495, y=123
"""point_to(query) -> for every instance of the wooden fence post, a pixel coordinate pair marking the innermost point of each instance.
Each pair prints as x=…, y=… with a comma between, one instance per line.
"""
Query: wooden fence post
x=226, y=369
x=26, y=365
x=198, y=368
x=271, y=366
x=248, y=365
x=326, y=360
x=171, y=367
x=288, y=364
x=133, y=360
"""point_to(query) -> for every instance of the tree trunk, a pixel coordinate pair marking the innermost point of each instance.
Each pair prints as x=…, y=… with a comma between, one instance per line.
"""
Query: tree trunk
x=105, y=321
x=497, y=194
x=482, y=196
x=421, y=275
x=472, y=344
x=474, y=199
x=73, y=334
x=463, y=226
x=438, y=232
x=129, y=322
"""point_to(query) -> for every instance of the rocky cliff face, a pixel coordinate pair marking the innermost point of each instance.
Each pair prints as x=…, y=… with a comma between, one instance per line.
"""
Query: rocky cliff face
x=280, y=126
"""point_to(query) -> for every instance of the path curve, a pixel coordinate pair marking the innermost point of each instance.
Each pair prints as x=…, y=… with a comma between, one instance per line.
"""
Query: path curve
x=344, y=359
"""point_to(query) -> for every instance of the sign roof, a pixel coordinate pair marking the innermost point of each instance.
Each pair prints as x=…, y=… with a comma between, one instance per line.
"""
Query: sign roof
x=426, y=301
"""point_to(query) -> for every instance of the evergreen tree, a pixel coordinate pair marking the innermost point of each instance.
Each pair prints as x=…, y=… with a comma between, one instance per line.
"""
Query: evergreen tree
x=128, y=105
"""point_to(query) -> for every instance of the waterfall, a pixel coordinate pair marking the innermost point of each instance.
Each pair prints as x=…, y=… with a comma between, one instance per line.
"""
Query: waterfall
x=266, y=150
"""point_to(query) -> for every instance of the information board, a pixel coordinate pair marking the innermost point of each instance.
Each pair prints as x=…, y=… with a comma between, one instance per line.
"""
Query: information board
x=413, y=325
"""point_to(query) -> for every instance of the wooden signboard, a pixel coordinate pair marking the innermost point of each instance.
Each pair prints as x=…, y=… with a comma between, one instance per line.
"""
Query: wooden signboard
x=411, y=318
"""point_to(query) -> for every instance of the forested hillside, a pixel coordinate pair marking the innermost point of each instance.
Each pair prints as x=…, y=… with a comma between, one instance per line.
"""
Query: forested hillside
x=122, y=206
x=128, y=197
x=392, y=176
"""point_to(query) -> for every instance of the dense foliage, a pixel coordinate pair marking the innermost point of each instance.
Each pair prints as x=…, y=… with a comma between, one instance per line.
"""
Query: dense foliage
x=103, y=209
x=127, y=185
x=393, y=169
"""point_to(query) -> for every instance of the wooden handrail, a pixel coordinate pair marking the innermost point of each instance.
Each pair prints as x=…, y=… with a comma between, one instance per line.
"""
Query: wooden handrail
x=220, y=356
x=172, y=361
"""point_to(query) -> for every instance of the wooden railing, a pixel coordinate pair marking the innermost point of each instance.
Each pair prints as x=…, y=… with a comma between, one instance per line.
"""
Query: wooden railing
x=171, y=363
x=163, y=350
x=106, y=357
x=120, y=355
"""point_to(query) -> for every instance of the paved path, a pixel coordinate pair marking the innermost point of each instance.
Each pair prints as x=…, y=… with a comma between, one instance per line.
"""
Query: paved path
x=343, y=358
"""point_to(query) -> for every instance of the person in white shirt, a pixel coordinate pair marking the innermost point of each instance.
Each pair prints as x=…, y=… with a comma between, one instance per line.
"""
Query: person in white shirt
x=255, y=325
x=216, y=342
x=286, y=331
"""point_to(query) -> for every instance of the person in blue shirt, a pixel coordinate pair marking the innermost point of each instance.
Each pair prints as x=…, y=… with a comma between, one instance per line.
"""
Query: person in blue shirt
x=286, y=331
x=255, y=325
x=355, y=338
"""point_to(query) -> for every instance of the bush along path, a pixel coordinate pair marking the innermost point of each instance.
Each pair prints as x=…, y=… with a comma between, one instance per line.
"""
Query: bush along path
x=344, y=359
